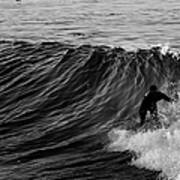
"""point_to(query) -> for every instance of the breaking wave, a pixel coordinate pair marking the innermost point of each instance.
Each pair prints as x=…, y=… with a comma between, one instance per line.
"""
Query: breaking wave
x=58, y=103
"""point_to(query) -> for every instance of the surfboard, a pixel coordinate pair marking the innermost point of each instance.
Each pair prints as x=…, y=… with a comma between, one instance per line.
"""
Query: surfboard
x=153, y=124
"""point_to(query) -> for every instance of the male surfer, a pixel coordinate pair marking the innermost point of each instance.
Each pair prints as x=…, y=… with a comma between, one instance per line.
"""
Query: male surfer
x=149, y=103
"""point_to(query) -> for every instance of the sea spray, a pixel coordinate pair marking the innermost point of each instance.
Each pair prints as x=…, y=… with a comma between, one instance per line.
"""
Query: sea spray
x=155, y=150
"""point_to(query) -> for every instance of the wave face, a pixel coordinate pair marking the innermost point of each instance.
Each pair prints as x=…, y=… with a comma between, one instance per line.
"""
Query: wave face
x=59, y=102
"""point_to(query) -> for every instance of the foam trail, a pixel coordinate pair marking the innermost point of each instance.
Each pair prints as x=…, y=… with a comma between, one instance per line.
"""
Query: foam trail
x=157, y=150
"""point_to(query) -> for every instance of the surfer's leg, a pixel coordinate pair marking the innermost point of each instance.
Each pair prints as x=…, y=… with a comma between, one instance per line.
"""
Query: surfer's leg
x=142, y=114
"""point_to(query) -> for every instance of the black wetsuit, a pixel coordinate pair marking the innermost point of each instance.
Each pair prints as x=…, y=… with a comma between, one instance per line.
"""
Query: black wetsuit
x=149, y=104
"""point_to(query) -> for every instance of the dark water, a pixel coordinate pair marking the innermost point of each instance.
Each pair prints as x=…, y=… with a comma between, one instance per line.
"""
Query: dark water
x=58, y=103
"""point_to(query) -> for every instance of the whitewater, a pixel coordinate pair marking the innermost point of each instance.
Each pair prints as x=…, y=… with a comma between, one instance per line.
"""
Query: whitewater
x=154, y=149
x=72, y=77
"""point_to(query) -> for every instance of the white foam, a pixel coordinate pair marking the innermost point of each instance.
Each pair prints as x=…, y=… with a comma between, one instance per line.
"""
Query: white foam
x=155, y=150
x=166, y=49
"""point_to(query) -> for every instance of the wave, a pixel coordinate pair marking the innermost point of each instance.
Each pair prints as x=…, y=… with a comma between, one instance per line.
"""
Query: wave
x=59, y=99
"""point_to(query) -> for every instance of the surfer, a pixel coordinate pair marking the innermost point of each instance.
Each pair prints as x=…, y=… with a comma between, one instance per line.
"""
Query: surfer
x=149, y=103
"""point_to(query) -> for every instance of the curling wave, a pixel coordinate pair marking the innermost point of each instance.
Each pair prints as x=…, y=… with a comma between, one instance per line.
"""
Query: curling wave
x=58, y=102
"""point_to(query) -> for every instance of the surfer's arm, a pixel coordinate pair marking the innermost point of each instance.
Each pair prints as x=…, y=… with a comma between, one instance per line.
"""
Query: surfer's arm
x=165, y=97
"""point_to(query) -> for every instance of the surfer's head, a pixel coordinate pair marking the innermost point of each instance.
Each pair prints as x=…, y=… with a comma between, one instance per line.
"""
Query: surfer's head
x=153, y=88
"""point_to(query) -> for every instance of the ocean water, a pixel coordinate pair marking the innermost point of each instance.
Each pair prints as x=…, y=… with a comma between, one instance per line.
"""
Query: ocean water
x=72, y=76
x=125, y=23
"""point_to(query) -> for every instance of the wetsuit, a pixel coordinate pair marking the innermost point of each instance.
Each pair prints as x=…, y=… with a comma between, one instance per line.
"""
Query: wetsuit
x=149, y=104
